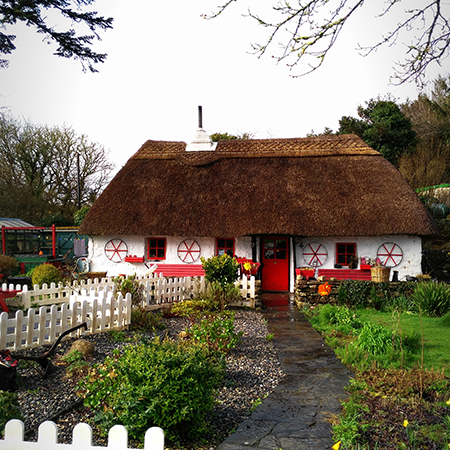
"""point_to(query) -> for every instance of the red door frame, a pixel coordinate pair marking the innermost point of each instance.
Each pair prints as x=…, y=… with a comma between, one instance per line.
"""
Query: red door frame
x=275, y=256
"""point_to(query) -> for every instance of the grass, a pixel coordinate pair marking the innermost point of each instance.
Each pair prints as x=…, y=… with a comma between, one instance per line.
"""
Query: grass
x=436, y=334
x=401, y=364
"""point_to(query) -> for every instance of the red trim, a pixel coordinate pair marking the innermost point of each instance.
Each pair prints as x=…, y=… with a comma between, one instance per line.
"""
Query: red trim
x=226, y=247
x=180, y=270
x=156, y=248
x=137, y=259
x=345, y=274
x=346, y=254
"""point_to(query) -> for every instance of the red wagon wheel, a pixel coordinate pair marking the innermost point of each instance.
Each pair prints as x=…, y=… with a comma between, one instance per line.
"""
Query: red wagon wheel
x=188, y=251
x=116, y=250
x=315, y=254
x=390, y=254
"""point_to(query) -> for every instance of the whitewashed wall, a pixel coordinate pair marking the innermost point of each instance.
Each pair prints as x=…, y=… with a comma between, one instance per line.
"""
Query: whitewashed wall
x=368, y=246
x=137, y=246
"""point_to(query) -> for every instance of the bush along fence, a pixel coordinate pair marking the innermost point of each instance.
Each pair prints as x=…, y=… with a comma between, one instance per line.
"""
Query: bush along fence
x=308, y=293
x=82, y=438
x=157, y=290
x=44, y=325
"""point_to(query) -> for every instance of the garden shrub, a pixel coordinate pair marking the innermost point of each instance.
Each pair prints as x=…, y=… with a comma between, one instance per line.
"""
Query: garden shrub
x=46, y=273
x=130, y=285
x=446, y=319
x=376, y=339
x=143, y=320
x=220, y=269
x=153, y=383
x=432, y=299
x=9, y=409
x=221, y=272
x=8, y=266
x=216, y=332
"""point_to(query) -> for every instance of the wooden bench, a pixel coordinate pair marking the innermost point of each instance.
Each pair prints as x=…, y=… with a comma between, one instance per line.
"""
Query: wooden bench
x=180, y=270
x=346, y=274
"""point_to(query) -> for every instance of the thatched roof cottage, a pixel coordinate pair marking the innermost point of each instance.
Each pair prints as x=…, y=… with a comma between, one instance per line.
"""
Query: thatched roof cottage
x=322, y=202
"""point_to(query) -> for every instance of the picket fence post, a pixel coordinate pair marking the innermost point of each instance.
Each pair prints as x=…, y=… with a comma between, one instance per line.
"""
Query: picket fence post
x=81, y=438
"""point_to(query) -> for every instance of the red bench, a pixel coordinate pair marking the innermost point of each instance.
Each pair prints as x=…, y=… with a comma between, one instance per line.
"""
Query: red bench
x=346, y=274
x=180, y=270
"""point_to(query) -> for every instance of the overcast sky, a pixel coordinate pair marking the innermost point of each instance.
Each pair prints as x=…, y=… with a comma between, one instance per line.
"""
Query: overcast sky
x=164, y=60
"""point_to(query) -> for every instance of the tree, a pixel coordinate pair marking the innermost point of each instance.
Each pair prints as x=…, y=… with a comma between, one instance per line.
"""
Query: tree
x=430, y=117
x=70, y=45
x=308, y=30
x=384, y=127
x=216, y=137
x=39, y=173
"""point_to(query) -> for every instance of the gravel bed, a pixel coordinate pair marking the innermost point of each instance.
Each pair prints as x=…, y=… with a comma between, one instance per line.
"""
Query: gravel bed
x=253, y=371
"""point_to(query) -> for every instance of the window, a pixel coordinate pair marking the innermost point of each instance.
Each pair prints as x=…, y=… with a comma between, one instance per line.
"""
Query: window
x=225, y=245
x=345, y=253
x=156, y=248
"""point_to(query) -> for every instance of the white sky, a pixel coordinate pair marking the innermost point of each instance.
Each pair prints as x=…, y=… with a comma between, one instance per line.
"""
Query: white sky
x=164, y=60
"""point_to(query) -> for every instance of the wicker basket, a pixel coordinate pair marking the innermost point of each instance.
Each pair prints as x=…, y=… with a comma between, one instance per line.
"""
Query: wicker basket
x=380, y=274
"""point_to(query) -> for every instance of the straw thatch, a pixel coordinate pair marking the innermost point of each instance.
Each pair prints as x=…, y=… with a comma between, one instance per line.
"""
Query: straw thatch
x=321, y=186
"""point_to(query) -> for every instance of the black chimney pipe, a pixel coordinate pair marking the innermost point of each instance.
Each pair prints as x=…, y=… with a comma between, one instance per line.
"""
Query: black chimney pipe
x=200, y=117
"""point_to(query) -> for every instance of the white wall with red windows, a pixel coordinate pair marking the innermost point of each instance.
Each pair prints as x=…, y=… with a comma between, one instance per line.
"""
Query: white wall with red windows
x=401, y=253
x=135, y=254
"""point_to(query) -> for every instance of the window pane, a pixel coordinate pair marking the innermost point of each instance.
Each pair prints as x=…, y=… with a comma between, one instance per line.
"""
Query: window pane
x=152, y=243
x=230, y=243
x=160, y=252
x=230, y=252
x=269, y=244
x=221, y=251
x=152, y=252
x=351, y=248
x=341, y=259
x=281, y=243
x=269, y=254
x=221, y=243
x=341, y=248
x=161, y=243
x=281, y=254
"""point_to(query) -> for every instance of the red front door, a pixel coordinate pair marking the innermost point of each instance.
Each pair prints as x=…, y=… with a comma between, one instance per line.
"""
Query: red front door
x=275, y=258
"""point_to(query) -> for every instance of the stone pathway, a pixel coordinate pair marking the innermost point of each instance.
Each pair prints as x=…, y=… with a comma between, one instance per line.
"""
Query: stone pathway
x=294, y=416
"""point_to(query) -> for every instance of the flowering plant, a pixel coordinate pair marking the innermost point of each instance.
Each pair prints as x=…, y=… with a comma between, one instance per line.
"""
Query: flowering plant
x=373, y=262
x=324, y=289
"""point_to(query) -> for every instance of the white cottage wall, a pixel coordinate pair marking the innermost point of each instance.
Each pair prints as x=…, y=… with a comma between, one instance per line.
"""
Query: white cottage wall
x=137, y=245
x=368, y=246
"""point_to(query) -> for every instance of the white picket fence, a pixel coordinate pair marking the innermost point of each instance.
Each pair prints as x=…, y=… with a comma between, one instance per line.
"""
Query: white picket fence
x=157, y=290
x=60, y=308
x=44, y=325
x=81, y=438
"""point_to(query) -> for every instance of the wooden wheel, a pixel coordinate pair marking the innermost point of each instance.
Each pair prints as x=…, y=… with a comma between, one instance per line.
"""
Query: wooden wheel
x=116, y=250
x=188, y=251
x=390, y=254
x=315, y=254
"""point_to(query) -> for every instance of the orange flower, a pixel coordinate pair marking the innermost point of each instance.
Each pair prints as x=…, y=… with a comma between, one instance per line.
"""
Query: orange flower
x=324, y=289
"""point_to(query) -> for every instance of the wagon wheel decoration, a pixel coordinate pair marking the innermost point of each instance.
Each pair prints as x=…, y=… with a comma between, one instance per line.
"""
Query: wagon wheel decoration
x=315, y=254
x=116, y=250
x=188, y=251
x=390, y=254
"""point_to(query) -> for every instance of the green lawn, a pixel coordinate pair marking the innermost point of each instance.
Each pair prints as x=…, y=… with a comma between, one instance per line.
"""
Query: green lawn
x=436, y=334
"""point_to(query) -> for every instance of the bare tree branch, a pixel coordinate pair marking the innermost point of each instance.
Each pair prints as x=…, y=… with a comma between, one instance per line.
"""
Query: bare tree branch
x=312, y=28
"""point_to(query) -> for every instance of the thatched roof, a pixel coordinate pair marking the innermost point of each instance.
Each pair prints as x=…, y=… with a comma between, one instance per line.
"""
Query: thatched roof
x=318, y=186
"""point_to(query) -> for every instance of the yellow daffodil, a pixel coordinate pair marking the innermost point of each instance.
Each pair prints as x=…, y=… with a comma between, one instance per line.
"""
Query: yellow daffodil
x=336, y=446
x=405, y=423
x=448, y=403
x=247, y=266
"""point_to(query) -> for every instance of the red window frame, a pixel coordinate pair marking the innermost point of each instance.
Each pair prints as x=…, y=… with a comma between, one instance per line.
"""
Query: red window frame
x=344, y=252
x=228, y=246
x=159, y=244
